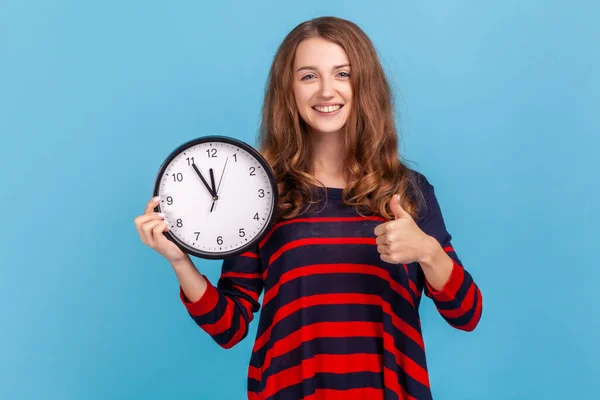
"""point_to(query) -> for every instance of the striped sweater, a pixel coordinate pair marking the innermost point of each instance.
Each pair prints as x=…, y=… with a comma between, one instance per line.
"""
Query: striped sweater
x=336, y=321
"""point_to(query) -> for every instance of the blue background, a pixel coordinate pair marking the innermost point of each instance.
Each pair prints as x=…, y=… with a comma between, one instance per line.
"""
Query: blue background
x=498, y=106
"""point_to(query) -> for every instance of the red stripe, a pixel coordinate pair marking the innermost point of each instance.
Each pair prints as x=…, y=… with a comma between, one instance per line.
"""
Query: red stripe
x=346, y=298
x=408, y=365
x=448, y=292
x=317, y=330
x=316, y=241
x=476, y=316
x=341, y=330
x=249, y=254
x=412, y=285
x=247, y=306
x=253, y=295
x=245, y=275
x=350, y=394
x=328, y=363
x=205, y=303
x=464, y=307
x=318, y=269
x=238, y=335
x=222, y=323
x=390, y=379
x=316, y=220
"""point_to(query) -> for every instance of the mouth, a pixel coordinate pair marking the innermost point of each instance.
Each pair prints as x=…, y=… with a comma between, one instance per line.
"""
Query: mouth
x=332, y=109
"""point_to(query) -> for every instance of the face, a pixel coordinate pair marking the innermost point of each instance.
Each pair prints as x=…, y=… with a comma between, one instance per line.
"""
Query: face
x=322, y=86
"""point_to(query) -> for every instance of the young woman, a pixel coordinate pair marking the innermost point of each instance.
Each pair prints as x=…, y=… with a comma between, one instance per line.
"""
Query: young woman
x=359, y=237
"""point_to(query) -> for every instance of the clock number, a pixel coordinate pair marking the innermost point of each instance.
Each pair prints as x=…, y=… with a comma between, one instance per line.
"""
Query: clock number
x=169, y=200
x=219, y=240
x=178, y=177
x=197, y=234
x=179, y=223
x=212, y=153
x=255, y=216
x=242, y=233
x=235, y=157
x=252, y=170
x=261, y=193
x=188, y=160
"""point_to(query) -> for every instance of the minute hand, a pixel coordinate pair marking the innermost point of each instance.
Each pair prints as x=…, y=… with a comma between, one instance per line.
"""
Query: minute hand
x=220, y=179
x=213, y=194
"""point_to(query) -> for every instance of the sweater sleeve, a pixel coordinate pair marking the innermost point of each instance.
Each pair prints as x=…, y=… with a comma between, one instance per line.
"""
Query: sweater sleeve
x=459, y=302
x=225, y=311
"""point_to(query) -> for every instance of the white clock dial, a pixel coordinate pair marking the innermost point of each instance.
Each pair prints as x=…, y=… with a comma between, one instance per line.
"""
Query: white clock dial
x=216, y=226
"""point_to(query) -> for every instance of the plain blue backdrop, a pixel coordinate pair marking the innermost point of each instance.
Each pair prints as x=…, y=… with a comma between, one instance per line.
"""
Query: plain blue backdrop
x=498, y=107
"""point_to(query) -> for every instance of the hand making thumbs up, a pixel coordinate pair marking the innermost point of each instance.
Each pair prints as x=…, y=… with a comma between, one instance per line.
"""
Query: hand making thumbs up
x=401, y=241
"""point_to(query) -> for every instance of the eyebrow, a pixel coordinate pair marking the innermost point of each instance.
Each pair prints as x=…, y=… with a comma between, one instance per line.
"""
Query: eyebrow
x=313, y=67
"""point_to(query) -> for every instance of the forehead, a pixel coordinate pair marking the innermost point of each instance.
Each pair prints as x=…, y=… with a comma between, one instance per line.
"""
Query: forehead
x=319, y=53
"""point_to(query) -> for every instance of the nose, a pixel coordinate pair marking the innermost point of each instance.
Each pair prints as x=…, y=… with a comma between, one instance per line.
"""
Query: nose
x=327, y=89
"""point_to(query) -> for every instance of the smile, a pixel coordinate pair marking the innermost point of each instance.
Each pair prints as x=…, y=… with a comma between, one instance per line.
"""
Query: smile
x=328, y=109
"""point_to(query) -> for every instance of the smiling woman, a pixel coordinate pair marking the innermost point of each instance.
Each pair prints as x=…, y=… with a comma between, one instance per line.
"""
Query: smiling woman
x=342, y=283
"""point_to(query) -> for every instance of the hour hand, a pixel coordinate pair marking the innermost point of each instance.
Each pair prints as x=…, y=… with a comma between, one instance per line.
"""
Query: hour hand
x=212, y=193
x=212, y=181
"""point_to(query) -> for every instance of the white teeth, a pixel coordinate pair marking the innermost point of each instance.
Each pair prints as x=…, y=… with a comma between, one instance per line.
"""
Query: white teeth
x=328, y=109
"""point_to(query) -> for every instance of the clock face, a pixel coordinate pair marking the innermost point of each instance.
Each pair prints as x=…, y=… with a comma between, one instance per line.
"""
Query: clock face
x=218, y=195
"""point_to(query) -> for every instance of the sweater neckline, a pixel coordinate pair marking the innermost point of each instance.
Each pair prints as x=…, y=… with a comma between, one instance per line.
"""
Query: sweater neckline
x=331, y=192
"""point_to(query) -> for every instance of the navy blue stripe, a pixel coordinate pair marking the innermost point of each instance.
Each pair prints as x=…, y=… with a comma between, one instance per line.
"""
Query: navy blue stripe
x=466, y=317
x=215, y=314
x=460, y=295
x=338, y=284
x=340, y=313
x=308, y=349
x=367, y=345
x=321, y=254
x=352, y=380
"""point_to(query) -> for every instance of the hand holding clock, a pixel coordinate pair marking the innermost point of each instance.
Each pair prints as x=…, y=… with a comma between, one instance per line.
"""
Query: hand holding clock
x=151, y=226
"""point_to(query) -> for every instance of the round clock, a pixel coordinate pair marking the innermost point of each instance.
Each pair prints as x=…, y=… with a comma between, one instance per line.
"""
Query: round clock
x=218, y=195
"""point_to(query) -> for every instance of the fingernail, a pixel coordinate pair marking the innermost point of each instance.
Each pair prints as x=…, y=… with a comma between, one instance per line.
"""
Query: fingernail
x=162, y=215
x=156, y=199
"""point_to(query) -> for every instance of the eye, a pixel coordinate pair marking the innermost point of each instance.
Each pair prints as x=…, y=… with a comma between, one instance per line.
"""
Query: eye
x=346, y=75
x=306, y=76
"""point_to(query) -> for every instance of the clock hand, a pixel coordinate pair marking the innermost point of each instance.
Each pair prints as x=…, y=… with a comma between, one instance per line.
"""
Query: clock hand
x=212, y=184
x=220, y=179
x=212, y=193
x=212, y=181
x=222, y=173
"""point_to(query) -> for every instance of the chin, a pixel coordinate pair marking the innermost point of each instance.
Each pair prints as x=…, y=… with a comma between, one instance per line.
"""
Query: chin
x=327, y=129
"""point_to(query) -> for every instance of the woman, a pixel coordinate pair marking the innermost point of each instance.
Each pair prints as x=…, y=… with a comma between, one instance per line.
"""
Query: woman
x=359, y=237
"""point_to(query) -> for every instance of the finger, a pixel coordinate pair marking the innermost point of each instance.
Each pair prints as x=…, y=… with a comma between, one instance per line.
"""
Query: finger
x=381, y=229
x=147, y=231
x=157, y=231
x=151, y=204
x=383, y=249
x=387, y=258
x=383, y=239
x=142, y=219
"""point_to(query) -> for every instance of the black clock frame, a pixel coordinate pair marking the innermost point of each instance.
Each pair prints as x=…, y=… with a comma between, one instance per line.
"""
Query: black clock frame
x=253, y=152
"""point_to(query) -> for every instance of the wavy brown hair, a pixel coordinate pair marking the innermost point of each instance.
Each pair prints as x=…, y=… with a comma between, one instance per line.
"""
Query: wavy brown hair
x=373, y=167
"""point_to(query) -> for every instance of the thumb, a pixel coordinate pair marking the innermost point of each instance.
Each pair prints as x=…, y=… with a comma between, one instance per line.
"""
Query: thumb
x=396, y=208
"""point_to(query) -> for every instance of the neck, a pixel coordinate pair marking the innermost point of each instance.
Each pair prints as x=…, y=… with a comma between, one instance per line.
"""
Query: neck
x=328, y=157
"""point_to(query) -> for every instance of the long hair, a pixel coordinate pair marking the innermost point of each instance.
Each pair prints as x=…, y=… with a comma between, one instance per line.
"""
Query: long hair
x=374, y=169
